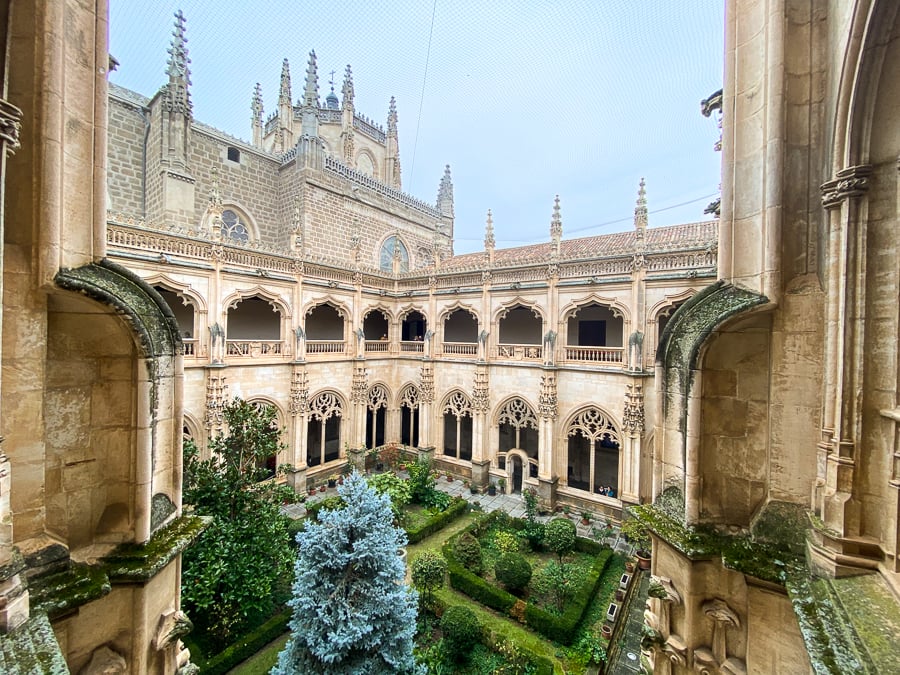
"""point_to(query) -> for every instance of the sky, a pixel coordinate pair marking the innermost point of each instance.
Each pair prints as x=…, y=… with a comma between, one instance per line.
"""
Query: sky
x=523, y=99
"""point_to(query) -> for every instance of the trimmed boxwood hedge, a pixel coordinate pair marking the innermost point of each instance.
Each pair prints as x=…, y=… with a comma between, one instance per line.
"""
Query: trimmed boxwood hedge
x=560, y=629
x=244, y=648
x=438, y=521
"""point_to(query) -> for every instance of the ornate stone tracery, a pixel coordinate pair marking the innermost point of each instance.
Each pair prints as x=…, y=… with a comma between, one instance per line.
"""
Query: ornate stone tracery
x=633, y=416
x=409, y=397
x=594, y=425
x=850, y=182
x=427, y=383
x=359, y=386
x=458, y=405
x=377, y=397
x=481, y=395
x=518, y=414
x=325, y=406
x=216, y=396
x=299, y=393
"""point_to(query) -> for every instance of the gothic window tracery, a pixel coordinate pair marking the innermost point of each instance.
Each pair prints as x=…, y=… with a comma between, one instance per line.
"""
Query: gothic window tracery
x=376, y=410
x=457, y=412
x=593, y=453
x=409, y=415
x=234, y=227
x=393, y=246
x=323, y=440
x=518, y=429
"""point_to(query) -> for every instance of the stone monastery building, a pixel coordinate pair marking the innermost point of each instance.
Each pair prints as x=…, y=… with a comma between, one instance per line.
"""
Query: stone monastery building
x=735, y=385
x=304, y=278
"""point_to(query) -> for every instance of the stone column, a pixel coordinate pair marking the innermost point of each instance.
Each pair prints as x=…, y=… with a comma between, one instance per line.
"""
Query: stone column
x=633, y=428
x=358, y=391
x=548, y=412
x=426, y=403
x=299, y=409
x=481, y=463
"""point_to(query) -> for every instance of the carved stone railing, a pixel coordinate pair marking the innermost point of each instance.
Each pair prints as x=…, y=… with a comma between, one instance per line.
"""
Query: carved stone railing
x=520, y=352
x=254, y=348
x=369, y=129
x=191, y=347
x=337, y=167
x=377, y=346
x=314, y=347
x=460, y=348
x=412, y=347
x=612, y=355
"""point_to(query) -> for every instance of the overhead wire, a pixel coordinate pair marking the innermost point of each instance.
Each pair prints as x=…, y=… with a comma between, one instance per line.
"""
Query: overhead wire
x=412, y=167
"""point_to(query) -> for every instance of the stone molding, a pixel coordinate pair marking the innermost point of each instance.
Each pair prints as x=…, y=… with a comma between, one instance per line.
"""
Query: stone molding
x=10, y=126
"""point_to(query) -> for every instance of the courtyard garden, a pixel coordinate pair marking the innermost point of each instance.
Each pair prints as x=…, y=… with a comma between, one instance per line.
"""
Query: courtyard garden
x=497, y=594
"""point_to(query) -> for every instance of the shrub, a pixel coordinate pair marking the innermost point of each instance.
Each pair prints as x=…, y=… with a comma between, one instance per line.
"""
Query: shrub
x=467, y=550
x=554, y=580
x=438, y=521
x=328, y=504
x=534, y=534
x=559, y=536
x=513, y=571
x=428, y=570
x=506, y=542
x=462, y=631
x=395, y=488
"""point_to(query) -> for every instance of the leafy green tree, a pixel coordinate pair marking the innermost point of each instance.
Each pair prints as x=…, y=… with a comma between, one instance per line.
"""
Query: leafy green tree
x=230, y=572
x=428, y=570
x=353, y=614
x=467, y=551
x=559, y=536
x=554, y=579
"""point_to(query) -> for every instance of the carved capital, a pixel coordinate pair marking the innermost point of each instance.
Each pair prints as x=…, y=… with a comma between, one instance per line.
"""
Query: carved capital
x=846, y=184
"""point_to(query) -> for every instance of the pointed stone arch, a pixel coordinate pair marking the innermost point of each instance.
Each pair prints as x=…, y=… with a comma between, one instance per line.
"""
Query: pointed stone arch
x=456, y=412
x=324, y=430
x=616, y=306
x=593, y=451
x=518, y=301
x=378, y=399
x=409, y=398
x=279, y=303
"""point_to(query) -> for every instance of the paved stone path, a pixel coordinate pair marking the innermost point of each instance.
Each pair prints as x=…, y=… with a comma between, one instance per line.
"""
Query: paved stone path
x=628, y=660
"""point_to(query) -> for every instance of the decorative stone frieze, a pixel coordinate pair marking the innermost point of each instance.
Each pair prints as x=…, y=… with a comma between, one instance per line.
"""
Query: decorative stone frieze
x=548, y=404
x=633, y=415
x=426, y=385
x=481, y=401
x=359, y=387
x=299, y=393
x=847, y=183
x=216, y=398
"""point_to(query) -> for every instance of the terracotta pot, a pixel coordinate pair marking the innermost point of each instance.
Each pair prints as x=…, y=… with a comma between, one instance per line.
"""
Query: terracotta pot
x=643, y=562
x=322, y=489
x=606, y=631
x=585, y=521
x=620, y=596
x=629, y=567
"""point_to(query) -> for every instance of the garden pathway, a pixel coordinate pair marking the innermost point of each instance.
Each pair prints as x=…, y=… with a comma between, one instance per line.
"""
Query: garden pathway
x=628, y=658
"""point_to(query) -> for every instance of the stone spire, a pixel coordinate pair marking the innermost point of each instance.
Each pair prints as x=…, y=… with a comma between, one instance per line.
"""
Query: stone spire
x=347, y=92
x=489, y=242
x=178, y=95
x=311, y=91
x=310, y=113
x=392, y=157
x=640, y=209
x=555, y=230
x=256, y=117
x=284, y=92
x=445, y=194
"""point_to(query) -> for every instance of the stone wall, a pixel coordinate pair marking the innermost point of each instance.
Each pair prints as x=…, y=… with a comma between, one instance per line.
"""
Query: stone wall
x=126, y=155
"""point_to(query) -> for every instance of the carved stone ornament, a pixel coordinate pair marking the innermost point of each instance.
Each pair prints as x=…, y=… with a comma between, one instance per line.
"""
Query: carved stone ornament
x=548, y=405
x=850, y=182
x=299, y=393
x=105, y=661
x=216, y=395
x=172, y=626
x=10, y=126
x=359, y=387
x=426, y=386
x=480, y=395
x=633, y=415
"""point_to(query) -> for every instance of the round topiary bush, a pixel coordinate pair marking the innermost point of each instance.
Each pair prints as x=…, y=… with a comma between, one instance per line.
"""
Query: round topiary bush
x=467, y=551
x=427, y=571
x=513, y=571
x=506, y=541
x=462, y=631
x=559, y=536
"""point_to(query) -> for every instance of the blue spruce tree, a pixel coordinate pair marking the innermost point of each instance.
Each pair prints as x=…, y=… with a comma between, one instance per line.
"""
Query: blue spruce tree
x=352, y=611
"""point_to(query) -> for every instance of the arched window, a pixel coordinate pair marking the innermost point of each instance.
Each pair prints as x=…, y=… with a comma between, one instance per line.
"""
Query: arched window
x=518, y=429
x=268, y=464
x=391, y=247
x=376, y=411
x=593, y=453
x=234, y=227
x=323, y=432
x=409, y=416
x=458, y=426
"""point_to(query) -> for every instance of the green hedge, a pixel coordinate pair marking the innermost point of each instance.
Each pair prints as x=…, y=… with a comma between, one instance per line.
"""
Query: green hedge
x=560, y=629
x=438, y=521
x=244, y=648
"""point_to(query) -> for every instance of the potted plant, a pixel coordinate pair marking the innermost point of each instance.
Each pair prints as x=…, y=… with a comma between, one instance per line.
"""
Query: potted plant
x=585, y=517
x=501, y=485
x=473, y=488
x=332, y=480
x=637, y=534
x=492, y=488
x=322, y=488
x=606, y=630
x=449, y=477
x=567, y=510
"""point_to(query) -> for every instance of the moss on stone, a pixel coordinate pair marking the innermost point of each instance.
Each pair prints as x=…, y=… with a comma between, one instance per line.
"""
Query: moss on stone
x=32, y=648
x=62, y=592
x=140, y=562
